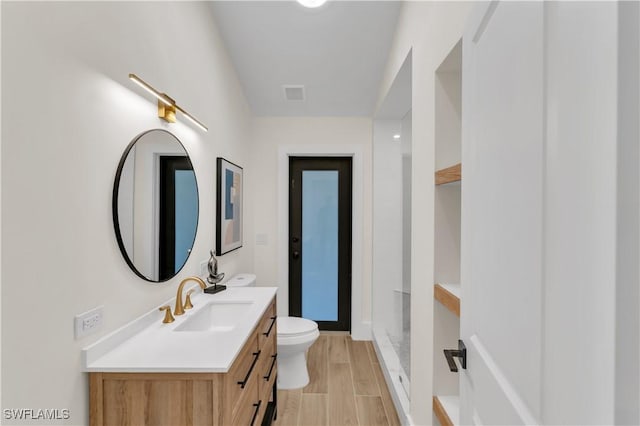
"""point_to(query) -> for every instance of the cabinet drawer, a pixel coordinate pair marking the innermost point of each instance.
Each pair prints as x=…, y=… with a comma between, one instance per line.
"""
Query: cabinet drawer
x=249, y=407
x=268, y=368
x=267, y=325
x=241, y=373
x=264, y=402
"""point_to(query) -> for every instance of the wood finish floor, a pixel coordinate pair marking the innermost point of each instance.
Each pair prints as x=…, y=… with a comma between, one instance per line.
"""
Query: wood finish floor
x=346, y=387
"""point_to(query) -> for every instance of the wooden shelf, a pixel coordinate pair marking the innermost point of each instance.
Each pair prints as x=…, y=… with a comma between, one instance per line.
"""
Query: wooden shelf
x=447, y=410
x=450, y=174
x=449, y=296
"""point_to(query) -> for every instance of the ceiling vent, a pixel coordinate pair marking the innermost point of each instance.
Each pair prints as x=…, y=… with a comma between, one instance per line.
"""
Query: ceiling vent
x=293, y=93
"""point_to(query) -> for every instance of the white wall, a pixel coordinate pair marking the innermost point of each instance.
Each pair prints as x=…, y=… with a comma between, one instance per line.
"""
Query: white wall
x=126, y=201
x=327, y=134
x=627, y=391
x=72, y=112
x=1, y=217
x=430, y=30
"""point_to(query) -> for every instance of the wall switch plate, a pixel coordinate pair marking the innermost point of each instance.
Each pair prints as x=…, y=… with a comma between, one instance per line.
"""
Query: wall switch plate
x=88, y=322
x=262, y=239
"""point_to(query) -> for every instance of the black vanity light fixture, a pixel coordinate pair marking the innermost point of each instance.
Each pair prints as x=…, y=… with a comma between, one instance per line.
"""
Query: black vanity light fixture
x=167, y=106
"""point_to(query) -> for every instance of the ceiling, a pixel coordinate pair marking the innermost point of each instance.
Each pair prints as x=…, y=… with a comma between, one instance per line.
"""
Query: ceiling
x=337, y=52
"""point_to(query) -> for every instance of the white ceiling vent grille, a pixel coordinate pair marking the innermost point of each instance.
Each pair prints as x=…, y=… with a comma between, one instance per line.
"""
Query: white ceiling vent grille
x=293, y=93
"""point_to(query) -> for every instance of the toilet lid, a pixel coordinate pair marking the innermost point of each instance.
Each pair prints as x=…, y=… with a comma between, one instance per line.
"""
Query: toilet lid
x=291, y=326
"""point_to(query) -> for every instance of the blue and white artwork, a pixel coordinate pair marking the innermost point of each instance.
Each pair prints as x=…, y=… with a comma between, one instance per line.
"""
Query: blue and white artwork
x=229, y=207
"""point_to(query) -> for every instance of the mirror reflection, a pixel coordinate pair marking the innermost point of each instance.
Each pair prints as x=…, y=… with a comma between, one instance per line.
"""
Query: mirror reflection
x=155, y=205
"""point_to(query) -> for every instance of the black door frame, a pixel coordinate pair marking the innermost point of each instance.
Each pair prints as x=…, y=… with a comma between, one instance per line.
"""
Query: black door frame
x=344, y=165
x=168, y=164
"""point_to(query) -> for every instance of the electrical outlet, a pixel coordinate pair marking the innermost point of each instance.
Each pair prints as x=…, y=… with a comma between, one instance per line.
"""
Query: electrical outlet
x=88, y=322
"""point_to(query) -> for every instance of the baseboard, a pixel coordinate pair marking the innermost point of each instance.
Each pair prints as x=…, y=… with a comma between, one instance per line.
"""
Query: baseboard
x=361, y=331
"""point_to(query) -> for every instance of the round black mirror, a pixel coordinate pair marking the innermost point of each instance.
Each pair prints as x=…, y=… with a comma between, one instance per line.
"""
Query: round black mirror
x=155, y=205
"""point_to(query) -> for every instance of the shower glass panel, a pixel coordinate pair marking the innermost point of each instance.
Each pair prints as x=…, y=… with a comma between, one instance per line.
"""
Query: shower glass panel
x=320, y=244
x=391, y=271
x=392, y=246
x=401, y=335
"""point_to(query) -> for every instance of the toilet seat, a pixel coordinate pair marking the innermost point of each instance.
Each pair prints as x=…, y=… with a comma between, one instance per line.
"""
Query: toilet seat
x=295, y=326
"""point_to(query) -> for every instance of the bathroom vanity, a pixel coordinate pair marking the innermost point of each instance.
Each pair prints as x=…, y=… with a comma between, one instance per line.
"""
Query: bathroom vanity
x=215, y=365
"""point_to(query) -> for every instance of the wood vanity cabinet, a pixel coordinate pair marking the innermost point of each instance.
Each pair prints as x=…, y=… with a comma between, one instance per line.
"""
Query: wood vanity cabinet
x=246, y=395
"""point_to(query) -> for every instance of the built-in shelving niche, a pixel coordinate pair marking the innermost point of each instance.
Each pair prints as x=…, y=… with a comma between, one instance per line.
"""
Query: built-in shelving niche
x=447, y=409
x=448, y=180
x=449, y=296
x=449, y=174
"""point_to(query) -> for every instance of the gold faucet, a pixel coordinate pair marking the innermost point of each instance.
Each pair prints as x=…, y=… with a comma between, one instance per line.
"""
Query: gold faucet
x=179, y=310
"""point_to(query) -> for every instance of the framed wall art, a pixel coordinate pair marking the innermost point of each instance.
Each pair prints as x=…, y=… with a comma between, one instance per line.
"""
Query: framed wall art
x=228, y=207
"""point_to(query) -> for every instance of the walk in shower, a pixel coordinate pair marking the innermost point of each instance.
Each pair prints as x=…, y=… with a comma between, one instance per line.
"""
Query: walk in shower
x=391, y=316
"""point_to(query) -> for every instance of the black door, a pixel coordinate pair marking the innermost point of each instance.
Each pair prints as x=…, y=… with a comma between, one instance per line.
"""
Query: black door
x=178, y=201
x=320, y=240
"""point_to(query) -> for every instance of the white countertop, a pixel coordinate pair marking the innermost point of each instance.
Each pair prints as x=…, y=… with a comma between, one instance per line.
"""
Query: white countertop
x=146, y=345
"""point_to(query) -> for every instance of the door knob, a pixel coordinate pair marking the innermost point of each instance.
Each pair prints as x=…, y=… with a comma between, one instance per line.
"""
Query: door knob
x=296, y=254
x=461, y=353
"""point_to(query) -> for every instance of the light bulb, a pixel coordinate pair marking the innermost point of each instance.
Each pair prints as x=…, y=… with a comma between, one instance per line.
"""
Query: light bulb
x=312, y=3
x=162, y=97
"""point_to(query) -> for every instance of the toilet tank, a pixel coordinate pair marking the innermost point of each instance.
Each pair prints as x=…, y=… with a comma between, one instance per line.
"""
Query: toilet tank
x=241, y=280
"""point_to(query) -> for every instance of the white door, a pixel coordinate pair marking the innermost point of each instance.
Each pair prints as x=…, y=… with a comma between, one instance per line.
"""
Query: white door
x=502, y=215
x=549, y=306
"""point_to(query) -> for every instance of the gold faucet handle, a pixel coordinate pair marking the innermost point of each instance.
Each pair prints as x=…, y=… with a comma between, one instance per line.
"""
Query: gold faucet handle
x=168, y=318
x=187, y=302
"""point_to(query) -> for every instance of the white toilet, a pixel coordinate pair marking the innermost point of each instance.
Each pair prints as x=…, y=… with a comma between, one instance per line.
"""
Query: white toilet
x=295, y=336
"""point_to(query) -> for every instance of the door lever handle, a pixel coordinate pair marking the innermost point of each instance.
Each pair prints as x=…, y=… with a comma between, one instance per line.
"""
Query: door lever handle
x=461, y=353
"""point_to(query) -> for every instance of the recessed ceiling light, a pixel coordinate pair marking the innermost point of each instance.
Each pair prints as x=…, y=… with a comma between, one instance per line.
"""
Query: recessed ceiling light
x=396, y=137
x=312, y=3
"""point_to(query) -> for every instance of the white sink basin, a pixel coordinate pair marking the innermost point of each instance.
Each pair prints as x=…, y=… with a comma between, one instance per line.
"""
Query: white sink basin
x=220, y=316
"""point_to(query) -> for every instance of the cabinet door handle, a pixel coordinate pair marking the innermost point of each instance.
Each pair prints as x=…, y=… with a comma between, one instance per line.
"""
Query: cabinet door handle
x=273, y=321
x=255, y=413
x=461, y=353
x=273, y=364
x=253, y=364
